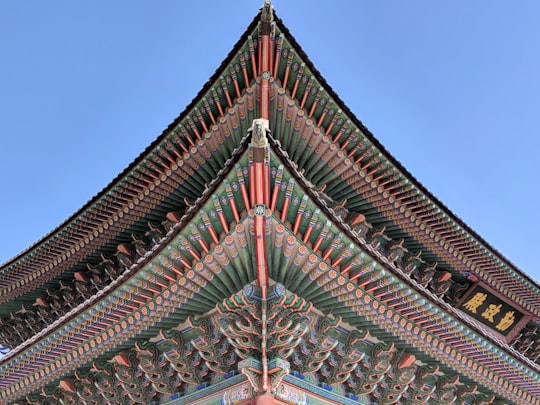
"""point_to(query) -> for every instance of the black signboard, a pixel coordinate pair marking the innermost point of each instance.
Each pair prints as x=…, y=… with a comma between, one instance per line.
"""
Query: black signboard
x=486, y=307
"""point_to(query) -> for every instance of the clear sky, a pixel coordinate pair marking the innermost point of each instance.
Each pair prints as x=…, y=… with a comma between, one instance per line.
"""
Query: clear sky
x=450, y=88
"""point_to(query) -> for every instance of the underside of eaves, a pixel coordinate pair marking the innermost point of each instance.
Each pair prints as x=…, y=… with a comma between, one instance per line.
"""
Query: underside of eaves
x=154, y=290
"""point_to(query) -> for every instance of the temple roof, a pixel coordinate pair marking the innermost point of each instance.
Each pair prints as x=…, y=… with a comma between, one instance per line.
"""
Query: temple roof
x=349, y=232
x=33, y=269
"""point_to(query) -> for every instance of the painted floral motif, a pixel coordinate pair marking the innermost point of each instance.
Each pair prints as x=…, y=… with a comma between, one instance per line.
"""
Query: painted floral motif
x=237, y=394
x=291, y=396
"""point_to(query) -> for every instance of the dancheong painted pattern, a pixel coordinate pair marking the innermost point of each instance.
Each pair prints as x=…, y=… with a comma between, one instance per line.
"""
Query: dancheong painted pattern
x=266, y=249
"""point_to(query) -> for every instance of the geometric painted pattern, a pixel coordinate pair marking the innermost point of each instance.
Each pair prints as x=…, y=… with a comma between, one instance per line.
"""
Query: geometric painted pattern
x=265, y=245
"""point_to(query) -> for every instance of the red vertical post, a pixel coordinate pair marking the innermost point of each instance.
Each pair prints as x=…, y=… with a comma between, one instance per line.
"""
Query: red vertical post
x=260, y=175
x=265, y=54
x=260, y=180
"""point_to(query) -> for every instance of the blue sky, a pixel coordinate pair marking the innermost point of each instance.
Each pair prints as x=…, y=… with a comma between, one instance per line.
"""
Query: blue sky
x=452, y=89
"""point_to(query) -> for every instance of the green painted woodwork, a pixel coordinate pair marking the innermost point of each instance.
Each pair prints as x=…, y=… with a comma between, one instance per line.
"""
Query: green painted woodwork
x=152, y=282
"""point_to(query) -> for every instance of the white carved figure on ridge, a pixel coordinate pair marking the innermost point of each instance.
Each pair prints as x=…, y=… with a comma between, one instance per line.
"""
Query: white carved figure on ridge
x=258, y=130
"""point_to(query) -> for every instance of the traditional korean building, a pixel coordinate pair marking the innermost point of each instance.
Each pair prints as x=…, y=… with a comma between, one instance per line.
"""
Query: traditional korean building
x=267, y=249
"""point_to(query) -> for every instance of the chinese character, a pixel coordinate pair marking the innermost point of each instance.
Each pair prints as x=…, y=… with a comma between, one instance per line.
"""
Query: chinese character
x=507, y=321
x=491, y=311
x=473, y=304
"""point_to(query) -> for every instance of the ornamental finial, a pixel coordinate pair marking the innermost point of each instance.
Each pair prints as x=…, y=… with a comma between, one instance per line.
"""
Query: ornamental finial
x=267, y=12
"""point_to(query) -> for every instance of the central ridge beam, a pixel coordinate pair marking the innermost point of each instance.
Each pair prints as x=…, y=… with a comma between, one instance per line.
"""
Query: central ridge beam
x=260, y=184
x=265, y=58
x=260, y=173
